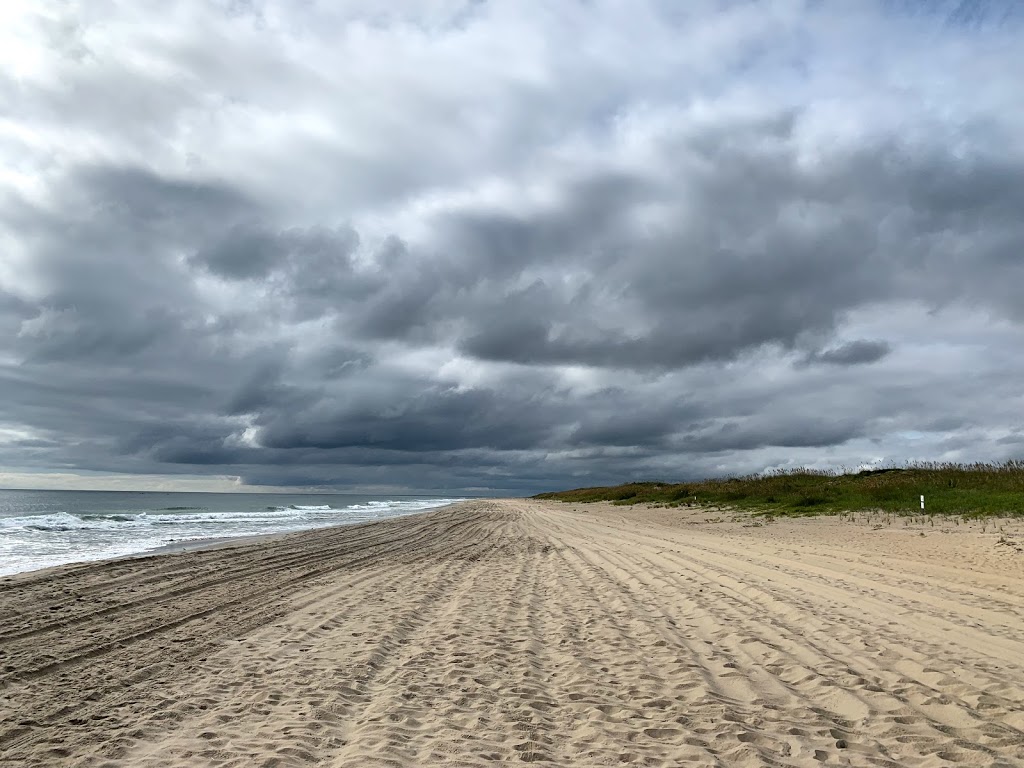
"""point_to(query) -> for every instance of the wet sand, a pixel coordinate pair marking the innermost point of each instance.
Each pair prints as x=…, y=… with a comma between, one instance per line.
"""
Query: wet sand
x=517, y=631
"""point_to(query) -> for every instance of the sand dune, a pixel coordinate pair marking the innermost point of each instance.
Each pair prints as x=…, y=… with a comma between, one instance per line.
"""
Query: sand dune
x=520, y=631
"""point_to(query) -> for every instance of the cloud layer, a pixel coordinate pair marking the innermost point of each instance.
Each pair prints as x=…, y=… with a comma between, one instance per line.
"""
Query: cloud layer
x=508, y=245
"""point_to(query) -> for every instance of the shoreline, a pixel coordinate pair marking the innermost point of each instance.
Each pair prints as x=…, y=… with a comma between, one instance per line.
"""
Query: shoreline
x=212, y=542
x=174, y=548
x=523, y=631
x=232, y=542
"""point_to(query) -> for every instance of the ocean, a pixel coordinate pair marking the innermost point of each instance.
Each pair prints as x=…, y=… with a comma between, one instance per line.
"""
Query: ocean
x=39, y=529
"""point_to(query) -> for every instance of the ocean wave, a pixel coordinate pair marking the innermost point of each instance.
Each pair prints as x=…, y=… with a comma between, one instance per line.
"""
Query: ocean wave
x=65, y=521
x=55, y=521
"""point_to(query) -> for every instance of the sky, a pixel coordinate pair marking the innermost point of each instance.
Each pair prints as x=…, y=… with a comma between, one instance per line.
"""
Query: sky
x=506, y=246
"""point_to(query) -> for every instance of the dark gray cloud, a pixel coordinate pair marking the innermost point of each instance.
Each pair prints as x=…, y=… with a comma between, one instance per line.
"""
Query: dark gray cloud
x=243, y=254
x=860, y=352
x=691, y=242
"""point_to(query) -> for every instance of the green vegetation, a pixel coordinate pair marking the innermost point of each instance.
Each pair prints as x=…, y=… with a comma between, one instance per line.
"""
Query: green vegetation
x=970, y=490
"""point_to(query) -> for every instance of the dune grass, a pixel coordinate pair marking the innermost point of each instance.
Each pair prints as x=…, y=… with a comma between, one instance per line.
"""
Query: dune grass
x=969, y=490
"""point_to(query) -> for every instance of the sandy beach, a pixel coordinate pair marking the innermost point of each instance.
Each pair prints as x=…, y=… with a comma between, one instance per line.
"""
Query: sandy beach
x=508, y=631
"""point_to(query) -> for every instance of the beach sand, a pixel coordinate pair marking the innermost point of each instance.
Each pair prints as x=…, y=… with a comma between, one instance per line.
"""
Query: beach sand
x=523, y=631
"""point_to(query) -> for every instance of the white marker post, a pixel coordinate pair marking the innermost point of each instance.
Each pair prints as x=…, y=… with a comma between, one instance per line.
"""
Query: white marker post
x=922, y=502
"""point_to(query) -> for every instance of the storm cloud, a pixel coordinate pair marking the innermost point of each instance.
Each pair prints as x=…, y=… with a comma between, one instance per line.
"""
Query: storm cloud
x=507, y=246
